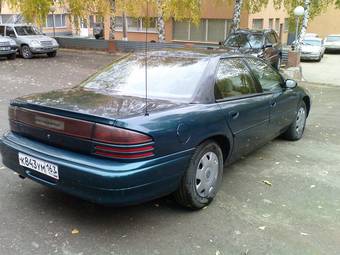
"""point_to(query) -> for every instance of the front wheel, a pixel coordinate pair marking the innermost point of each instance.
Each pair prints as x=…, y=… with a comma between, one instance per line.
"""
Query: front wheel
x=297, y=128
x=203, y=177
x=52, y=54
x=26, y=52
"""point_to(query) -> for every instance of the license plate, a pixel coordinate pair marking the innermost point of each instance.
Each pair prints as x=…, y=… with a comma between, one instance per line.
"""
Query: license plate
x=38, y=165
x=5, y=48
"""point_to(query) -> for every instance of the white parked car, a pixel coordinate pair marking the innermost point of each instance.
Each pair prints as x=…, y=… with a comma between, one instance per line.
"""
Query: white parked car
x=8, y=47
x=332, y=42
x=312, y=48
x=30, y=41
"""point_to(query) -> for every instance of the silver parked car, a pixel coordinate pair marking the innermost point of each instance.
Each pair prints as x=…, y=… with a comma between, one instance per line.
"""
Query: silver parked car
x=332, y=43
x=8, y=47
x=30, y=41
x=312, y=48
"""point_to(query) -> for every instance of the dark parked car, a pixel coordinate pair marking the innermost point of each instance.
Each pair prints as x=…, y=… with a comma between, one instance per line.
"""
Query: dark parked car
x=98, y=30
x=264, y=44
x=100, y=140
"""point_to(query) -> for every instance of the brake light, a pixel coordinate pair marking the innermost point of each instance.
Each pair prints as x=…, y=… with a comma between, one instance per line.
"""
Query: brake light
x=113, y=135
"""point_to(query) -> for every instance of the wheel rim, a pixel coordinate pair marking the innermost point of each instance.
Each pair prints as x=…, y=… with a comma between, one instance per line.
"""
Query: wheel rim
x=206, y=174
x=25, y=52
x=300, y=121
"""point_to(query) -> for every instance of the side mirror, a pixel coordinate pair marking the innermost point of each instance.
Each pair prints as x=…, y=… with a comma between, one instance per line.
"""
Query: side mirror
x=291, y=84
x=12, y=35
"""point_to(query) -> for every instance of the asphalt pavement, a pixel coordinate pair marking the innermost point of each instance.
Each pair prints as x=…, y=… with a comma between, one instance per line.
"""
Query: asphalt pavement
x=299, y=213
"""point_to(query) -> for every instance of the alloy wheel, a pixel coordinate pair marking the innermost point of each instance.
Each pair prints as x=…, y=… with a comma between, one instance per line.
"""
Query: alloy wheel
x=300, y=120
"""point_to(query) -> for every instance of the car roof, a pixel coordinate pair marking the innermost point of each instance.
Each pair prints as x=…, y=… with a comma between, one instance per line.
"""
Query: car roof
x=254, y=31
x=16, y=24
x=312, y=38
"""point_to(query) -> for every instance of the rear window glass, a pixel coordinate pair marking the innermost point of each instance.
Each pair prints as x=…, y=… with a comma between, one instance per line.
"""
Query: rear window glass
x=333, y=38
x=169, y=77
x=243, y=40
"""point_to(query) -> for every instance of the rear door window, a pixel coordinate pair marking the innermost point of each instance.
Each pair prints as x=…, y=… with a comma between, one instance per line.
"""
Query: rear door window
x=269, y=79
x=10, y=31
x=233, y=80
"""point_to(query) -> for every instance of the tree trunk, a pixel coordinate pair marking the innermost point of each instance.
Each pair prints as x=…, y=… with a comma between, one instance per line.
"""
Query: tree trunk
x=160, y=21
x=304, y=24
x=125, y=27
x=113, y=19
x=237, y=15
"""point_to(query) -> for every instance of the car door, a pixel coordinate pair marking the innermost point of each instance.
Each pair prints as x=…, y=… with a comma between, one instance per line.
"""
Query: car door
x=246, y=110
x=283, y=104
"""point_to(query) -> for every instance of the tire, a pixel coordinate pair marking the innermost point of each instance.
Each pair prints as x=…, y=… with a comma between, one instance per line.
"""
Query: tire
x=297, y=128
x=203, y=177
x=26, y=52
x=52, y=54
x=12, y=56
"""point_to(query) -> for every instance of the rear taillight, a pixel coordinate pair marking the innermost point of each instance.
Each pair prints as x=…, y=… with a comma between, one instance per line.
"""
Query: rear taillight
x=124, y=144
x=109, y=141
x=113, y=135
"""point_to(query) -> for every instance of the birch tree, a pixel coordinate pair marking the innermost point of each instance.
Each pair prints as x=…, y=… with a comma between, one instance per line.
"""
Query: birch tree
x=160, y=21
x=237, y=15
x=304, y=24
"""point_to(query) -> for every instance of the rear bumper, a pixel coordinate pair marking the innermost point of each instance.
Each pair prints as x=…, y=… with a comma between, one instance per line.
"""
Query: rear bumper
x=99, y=180
x=310, y=56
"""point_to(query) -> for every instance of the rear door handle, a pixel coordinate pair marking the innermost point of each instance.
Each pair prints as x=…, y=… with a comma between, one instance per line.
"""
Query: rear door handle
x=234, y=115
x=273, y=104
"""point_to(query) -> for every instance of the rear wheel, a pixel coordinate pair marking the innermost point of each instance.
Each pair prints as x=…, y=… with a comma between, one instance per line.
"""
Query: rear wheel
x=297, y=128
x=12, y=56
x=26, y=52
x=52, y=54
x=202, y=179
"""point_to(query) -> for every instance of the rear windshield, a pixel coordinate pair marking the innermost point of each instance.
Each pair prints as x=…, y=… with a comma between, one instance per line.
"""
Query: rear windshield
x=26, y=30
x=173, y=77
x=312, y=42
x=243, y=40
x=333, y=38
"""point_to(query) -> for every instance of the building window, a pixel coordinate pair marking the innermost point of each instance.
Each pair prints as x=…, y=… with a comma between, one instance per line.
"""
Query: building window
x=137, y=24
x=257, y=23
x=208, y=30
x=271, y=23
x=277, y=25
x=286, y=25
x=59, y=20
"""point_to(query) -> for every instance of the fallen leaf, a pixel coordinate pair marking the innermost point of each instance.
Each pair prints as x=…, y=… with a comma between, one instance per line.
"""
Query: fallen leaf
x=304, y=234
x=75, y=231
x=262, y=228
x=218, y=252
x=267, y=183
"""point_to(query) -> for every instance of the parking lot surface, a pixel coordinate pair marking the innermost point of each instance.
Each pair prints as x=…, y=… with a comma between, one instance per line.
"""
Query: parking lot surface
x=299, y=213
x=325, y=72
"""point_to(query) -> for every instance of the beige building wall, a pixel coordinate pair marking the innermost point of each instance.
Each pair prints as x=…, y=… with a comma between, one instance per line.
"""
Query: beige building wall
x=271, y=18
x=327, y=23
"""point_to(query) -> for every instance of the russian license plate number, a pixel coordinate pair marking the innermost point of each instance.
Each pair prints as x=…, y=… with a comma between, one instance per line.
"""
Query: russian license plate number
x=38, y=165
x=5, y=48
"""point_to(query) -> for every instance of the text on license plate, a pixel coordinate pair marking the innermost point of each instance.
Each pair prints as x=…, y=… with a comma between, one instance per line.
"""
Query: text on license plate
x=38, y=165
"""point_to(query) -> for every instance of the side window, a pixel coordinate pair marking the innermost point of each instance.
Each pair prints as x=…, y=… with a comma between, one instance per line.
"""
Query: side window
x=233, y=79
x=2, y=30
x=271, y=38
x=10, y=31
x=270, y=80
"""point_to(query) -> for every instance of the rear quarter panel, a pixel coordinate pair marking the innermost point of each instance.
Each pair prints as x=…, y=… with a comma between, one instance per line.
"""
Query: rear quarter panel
x=180, y=129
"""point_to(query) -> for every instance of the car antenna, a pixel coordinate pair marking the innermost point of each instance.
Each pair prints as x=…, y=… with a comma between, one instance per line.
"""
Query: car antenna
x=146, y=59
